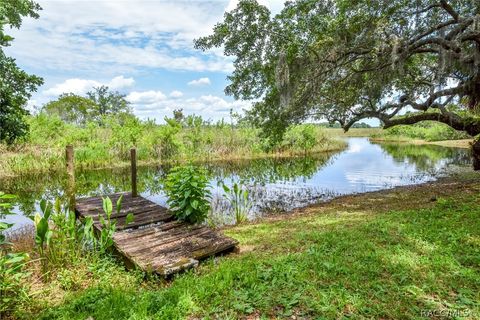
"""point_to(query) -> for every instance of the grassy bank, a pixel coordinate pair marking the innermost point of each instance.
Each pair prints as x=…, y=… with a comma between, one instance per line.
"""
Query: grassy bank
x=427, y=131
x=107, y=145
x=462, y=143
x=392, y=254
x=353, y=132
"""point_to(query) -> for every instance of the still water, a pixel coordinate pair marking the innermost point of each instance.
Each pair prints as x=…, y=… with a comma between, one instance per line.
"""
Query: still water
x=274, y=184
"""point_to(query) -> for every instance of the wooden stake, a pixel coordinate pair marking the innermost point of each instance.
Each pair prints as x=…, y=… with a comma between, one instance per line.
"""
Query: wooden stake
x=71, y=177
x=133, y=160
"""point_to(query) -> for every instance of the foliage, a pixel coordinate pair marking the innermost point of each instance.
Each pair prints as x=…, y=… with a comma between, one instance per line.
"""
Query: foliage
x=71, y=108
x=428, y=131
x=301, y=137
x=345, y=61
x=237, y=196
x=188, y=194
x=108, y=102
x=61, y=240
x=107, y=144
x=11, y=265
x=105, y=241
x=16, y=86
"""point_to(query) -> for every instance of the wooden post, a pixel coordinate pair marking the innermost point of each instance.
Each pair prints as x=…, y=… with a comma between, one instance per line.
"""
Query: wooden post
x=71, y=177
x=133, y=160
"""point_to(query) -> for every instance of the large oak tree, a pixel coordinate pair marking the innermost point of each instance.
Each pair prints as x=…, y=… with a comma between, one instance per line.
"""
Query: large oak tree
x=347, y=60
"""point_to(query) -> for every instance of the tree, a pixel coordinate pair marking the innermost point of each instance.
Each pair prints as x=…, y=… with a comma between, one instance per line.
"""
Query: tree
x=72, y=108
x=108, y=102
x=16, y=86
x=345, y=61
x=178, y=115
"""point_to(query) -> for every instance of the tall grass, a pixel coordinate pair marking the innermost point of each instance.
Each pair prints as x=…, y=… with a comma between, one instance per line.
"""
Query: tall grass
x=107, y=145
x=427, y=130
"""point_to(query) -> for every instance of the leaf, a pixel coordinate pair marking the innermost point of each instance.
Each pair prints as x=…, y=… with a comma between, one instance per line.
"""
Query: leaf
x=5, y=226
x=43, y=205
x=119, y=203
x=225, y=188
x=107, y=206
x=194, y=204
x=129, y=219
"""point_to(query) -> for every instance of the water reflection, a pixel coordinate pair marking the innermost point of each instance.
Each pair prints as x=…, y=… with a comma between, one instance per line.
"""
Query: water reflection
x=278, y=184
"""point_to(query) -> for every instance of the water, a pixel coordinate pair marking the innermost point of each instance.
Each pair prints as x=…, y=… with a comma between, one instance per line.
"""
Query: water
x=274, y=184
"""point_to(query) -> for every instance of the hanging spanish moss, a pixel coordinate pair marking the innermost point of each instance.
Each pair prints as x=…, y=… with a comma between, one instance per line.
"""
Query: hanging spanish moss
x=282, y=79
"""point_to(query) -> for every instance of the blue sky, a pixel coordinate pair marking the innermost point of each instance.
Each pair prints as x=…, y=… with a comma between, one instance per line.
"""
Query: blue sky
x=143, y=49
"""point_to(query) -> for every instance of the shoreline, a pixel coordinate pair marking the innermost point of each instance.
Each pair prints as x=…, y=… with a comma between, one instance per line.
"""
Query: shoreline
x=150, y=163
x=462, y=143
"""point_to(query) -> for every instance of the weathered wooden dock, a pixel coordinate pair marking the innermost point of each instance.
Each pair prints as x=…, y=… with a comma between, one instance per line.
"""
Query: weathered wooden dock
x=155, y=241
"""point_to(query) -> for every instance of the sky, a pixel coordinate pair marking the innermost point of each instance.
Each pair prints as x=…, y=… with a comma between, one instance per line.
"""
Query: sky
x=143, y=49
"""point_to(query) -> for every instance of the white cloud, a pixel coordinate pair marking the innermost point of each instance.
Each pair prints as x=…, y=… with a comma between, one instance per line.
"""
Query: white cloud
x=82, y=86
x=275, y=6
x=146, y=97
x=110, y=37
x=200, y=82
x=176, y=94
x=154, y=104
x=121, y=82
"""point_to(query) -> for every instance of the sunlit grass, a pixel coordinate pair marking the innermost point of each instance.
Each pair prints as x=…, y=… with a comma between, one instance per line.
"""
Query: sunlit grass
x=348, y=258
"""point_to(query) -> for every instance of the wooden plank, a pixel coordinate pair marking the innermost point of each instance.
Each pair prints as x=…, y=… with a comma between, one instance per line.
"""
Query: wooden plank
x=163, y=244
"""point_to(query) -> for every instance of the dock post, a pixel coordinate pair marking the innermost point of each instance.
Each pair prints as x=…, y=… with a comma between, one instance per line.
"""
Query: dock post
x=133, y=160
x=71, y=177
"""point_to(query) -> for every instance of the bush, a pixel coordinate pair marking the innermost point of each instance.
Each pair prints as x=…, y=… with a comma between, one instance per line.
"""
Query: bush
x=188, y=194
x=427, y=130
x=11, y=266
x=300, y=137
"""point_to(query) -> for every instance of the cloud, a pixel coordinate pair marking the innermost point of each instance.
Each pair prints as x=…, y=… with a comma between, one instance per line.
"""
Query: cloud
x=82, y=86
x=146, y=97
x=200, y=82
x=111, y=37
x=275, y=6
x=121, y=82
x=176, y=94
x=154, y=104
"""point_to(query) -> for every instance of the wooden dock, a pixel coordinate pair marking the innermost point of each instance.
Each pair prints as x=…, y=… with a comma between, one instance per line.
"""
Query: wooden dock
x=155, y=241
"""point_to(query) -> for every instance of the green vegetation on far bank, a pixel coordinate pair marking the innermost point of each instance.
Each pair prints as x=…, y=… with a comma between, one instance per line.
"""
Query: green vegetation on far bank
x=414, y=253
x=107, y=144
x=428, y=131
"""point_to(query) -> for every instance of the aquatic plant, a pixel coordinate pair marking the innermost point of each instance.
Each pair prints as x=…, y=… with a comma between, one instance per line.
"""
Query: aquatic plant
x=240, y=204
x=188, y=194
x=108, y=225
x=11, y=265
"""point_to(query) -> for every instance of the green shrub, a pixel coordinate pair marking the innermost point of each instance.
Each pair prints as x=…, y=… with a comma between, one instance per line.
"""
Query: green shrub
x=427, y=130
x=300, y=137
x=188, y=194
x=11, y=266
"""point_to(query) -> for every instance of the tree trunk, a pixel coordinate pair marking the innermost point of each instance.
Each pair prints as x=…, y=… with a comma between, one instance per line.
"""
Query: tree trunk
x=476, y=154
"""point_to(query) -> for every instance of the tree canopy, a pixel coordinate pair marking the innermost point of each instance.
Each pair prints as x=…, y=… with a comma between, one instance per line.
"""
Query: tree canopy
x=108, y=102
x=71, y=108
x=16, y=86
x=99, y=103
x=345, y=61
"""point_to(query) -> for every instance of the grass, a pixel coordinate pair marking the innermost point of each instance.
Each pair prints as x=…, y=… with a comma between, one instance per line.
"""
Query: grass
x=423, y=132
x=108, y=146
x=353, y=132
x=382, y=255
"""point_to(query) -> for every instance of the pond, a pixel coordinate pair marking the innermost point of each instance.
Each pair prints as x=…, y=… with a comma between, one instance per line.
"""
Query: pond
x=274, y=184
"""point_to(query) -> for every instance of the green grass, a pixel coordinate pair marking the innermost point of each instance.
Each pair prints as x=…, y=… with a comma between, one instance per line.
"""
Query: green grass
x=108, y=145
x=353, y=132
x=385, y=255
x=427, y=131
